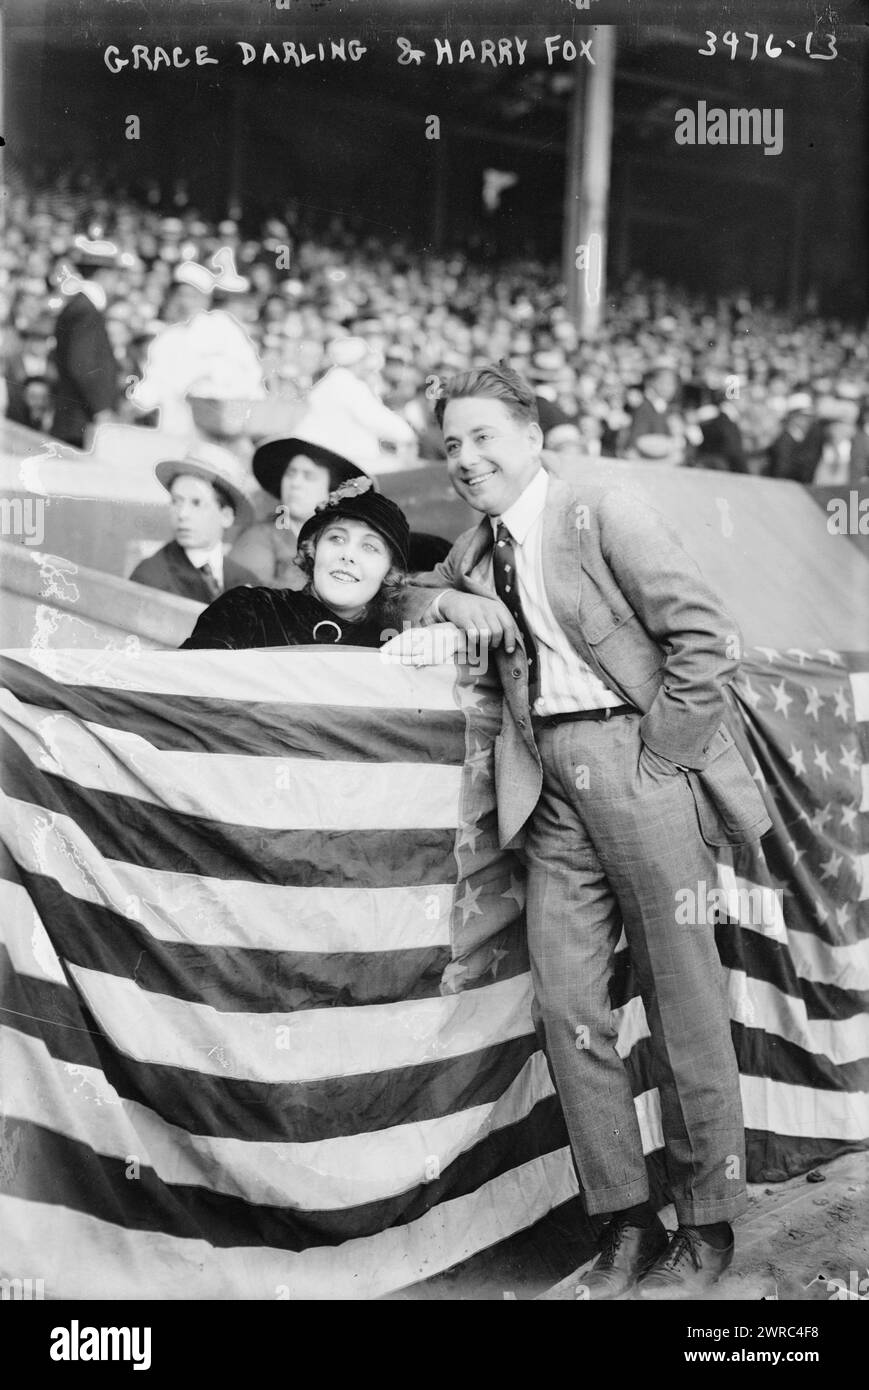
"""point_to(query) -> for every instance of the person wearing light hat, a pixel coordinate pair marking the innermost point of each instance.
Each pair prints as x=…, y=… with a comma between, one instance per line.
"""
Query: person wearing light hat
x=207, y=495
x=348, y=397
x=87, y=388
x=657, y=430
x=796, y=452
x=202, y=347
x=353, y=553
x=300, y=472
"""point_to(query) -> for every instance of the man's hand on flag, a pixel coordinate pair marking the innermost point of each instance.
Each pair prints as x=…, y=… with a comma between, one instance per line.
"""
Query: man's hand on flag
x=426, y=646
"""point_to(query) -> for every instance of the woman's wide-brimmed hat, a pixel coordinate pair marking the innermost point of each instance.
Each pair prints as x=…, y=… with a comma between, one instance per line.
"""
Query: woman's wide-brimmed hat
x=215, y=465
x=316, y=441
x=356, y=499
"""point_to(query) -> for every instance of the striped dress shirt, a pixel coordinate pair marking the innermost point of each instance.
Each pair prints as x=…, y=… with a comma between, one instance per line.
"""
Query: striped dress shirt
x=566, y=682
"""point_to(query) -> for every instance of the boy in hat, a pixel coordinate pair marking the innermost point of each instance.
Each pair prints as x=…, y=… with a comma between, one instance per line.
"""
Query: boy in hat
x=87, y=372
x=206, y=497
x=353, y=552
x=300, y=472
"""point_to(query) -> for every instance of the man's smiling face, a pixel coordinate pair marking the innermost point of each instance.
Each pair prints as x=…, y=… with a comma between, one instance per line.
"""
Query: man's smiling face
x=491, y=455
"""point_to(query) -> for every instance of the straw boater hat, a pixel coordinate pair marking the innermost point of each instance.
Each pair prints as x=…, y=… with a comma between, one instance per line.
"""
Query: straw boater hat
x=215, y=465
x=198, y=276
x=99, y=253
x=316, y=440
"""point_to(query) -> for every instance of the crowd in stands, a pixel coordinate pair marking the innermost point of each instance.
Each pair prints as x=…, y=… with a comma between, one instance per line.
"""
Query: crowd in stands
x=725, y=382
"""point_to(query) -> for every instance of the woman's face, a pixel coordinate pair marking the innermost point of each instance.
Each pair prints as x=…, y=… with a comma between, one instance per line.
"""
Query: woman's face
x=351, y=562
x=304, y=486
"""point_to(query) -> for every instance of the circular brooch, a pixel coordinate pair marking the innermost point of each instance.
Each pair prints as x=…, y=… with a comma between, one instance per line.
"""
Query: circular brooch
x=326, y=622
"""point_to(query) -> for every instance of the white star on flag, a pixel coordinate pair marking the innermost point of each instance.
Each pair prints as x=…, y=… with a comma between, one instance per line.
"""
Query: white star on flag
x=833, y=657
x=795, y=851
x=822, y=912
x=478, y=762
x=830, y=867
x=842, y=916
x=468, y=836
x=820, y=818
x=813, y=702
x=782, y=699
x=848, y=816
x=799, y=654
x=769, y=652
x=849, y=761
x=821, y=763
x=843, y=709
x=797, y=761
x=468, y=693
x=515, y=891
x=498, y=955
x=468, y=903
x=746, y=689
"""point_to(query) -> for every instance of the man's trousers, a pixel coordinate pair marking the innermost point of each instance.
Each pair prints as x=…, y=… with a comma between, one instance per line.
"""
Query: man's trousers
x=613, y=839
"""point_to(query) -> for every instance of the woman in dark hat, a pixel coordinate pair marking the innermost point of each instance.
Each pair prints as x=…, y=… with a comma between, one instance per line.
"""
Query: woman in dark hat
x=353, y=555
x=300, y=472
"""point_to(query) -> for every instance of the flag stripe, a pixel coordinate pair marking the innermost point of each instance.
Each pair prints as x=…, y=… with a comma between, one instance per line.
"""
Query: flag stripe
x=306, y=1045
x=239, y=979
x=334, y=1173
x=843, y=1041
x=125, y=1262
x=804, y=1109
x=787, y=1061
x=185, y=723
x=69, y=1173
x=159, y=837
x=859, y=680
x=178, y=907
x=254, y=792
x=301, y=1112
x=298, y=676
x=773, y=963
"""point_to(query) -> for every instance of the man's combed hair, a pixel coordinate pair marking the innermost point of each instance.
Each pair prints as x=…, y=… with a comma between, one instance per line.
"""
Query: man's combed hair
x=497, y=381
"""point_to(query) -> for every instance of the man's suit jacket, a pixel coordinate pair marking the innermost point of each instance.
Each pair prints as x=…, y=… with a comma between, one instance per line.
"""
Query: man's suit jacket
x=87, y=373
x=796, y=458
x=172, y=570
x=641, y=616
x=722, y=440
x=648, y=420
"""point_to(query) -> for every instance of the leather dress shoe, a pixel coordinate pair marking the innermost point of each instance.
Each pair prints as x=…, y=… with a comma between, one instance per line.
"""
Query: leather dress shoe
x=625, y=1251
x=687, y=1267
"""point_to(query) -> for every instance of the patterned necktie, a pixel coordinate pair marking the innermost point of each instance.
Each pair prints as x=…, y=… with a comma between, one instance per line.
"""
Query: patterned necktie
x=210, y=578
x=507, y=589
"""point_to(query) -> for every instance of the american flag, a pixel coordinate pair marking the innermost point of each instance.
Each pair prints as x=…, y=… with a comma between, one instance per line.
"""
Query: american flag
x=266, y=1025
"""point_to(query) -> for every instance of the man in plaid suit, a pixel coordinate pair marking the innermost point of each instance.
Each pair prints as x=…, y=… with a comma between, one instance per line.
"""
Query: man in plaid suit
x=616, y=776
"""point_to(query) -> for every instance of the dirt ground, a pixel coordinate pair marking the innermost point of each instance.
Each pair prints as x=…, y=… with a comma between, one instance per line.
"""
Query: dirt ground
x=796, y=1239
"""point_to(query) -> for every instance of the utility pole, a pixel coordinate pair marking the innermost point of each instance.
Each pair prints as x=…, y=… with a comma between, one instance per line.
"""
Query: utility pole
x=587, y=183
